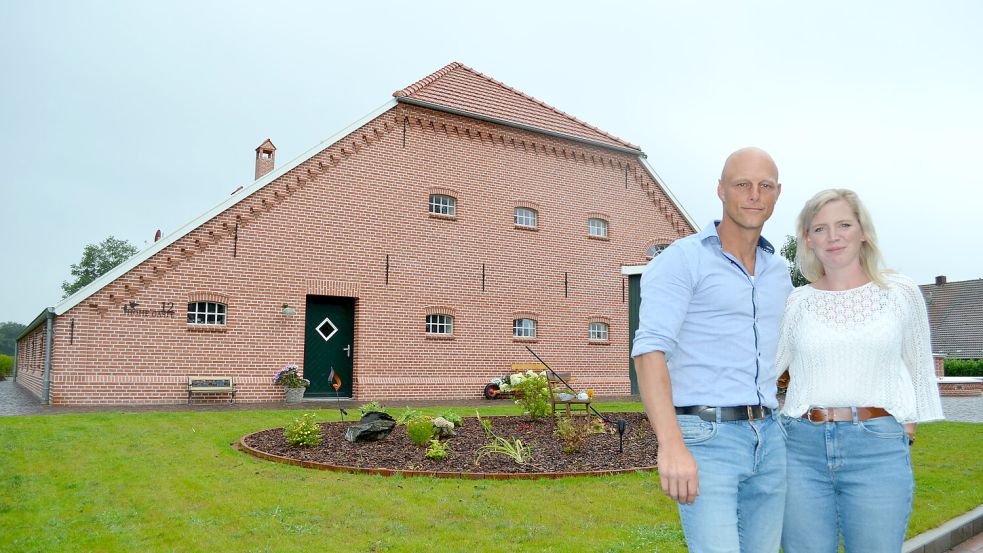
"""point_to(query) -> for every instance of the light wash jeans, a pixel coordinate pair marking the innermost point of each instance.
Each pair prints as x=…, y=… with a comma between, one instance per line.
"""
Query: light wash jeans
x=742, y=485
x=849, y=478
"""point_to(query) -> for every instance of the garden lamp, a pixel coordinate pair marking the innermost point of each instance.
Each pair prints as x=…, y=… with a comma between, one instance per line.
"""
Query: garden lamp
x=621, y=434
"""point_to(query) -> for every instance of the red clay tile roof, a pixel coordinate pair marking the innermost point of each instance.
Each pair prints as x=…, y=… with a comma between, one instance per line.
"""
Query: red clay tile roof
x=955, y=314
x=459, y=87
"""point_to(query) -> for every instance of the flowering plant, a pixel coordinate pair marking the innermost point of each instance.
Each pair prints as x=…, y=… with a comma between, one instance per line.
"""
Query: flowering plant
x=288, y=378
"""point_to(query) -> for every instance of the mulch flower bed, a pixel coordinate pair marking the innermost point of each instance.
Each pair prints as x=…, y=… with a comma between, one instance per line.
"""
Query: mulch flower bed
x=397, y=454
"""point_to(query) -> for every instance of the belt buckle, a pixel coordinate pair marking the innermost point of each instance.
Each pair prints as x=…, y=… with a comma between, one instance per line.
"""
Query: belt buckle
x=822, y=413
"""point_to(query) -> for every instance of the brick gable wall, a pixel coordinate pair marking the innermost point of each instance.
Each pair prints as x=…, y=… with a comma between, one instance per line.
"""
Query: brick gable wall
x=327, y=227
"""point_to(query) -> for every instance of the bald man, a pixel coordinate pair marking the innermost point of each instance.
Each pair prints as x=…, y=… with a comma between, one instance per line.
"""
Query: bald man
x=704, y=356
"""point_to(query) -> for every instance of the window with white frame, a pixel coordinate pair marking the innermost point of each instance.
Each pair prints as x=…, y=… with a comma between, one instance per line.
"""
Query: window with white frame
x=598, y=228
x=656, y=249
x=525, y=217
x=524, y=328
x=442, y=325
x=442, y=204
x=598, y=331
x=206, y=313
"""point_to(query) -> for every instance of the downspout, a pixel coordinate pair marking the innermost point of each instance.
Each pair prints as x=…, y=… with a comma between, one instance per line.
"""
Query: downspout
x=15, y=361
x=48, y=341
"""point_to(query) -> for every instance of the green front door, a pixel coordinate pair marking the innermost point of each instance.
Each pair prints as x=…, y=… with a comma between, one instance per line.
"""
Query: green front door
x=328, y=346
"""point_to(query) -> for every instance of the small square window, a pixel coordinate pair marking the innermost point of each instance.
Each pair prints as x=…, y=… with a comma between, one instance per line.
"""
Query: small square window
x=440, y=324
x=524, y=328
x=525, y=217
x=441, y=204
x=206, y=313
x=598, y=331
x=597, y=228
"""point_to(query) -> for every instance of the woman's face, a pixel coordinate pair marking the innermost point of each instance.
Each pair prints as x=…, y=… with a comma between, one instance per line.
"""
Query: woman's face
x=835, y=236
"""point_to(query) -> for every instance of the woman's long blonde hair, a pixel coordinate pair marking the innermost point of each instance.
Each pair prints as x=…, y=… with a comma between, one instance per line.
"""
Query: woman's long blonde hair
x=870, y=255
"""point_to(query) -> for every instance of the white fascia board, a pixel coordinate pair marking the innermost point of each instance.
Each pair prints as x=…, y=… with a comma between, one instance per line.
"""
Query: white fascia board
x=633, y=269
x=138, y=258
x=672, y=197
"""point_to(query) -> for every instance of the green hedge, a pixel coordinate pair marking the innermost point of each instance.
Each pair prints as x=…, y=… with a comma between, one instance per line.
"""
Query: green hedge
x=964, y=367
x=6, y=365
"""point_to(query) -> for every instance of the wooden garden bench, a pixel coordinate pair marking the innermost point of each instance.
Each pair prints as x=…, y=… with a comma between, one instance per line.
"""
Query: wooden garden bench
x=556, y=387
x=211, y=385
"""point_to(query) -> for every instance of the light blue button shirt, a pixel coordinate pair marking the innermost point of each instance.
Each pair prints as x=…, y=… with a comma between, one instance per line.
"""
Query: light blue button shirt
x=717, y=325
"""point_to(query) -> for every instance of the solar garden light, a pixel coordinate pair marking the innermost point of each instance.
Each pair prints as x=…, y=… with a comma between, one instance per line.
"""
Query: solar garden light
x=621, y=434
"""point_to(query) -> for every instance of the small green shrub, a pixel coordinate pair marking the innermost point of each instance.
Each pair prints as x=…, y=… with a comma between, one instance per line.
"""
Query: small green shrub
x=597, y=426
x=304, y=431
x=420, y=430
x=407, y=415
x=371, y=406
x=964, y=367
x=7, y=366
x=513, y=449
x=486, y=424
x=458, y=420
x=533, y=394
x=437, y=451
x=572, y=433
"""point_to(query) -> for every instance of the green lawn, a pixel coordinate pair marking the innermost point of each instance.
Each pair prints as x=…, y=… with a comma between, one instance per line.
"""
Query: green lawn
x=170, y=482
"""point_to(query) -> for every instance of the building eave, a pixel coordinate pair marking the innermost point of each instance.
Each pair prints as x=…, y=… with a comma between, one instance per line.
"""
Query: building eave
x=517, y=125
x=672, y=197
x=131, y=263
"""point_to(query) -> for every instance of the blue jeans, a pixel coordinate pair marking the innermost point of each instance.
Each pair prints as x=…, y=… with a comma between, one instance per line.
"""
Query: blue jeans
x=849, y=478
x=741, y=468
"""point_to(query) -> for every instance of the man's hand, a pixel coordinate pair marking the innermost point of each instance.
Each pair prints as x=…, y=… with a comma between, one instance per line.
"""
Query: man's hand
x=678, y=473
x=677, y=468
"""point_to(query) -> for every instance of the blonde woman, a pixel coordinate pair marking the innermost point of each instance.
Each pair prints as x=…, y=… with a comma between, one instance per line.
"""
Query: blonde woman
x=856, y=344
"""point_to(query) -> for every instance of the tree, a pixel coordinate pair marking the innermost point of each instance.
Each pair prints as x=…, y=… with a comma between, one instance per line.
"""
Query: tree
x=97, y=260
x=8, y=334
x=788, y=252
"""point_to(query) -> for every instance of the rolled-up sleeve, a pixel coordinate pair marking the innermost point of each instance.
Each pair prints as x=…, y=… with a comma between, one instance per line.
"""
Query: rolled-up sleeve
x=666, y=291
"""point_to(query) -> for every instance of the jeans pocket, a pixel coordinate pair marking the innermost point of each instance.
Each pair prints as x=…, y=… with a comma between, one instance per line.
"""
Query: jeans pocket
x=695, y=430
x=883, y=427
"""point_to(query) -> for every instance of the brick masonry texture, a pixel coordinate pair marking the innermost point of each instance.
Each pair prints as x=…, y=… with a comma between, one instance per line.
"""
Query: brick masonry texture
x=326, y=227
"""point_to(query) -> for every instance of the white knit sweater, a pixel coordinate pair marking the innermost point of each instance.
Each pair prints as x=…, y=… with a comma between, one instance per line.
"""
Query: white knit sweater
x=864, y=347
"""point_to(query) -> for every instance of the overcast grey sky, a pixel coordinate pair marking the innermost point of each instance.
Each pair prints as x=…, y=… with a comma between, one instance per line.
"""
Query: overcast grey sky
x=124, y=117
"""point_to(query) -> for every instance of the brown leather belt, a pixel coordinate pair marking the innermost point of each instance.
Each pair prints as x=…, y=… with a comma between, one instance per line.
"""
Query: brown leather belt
x=843, y=414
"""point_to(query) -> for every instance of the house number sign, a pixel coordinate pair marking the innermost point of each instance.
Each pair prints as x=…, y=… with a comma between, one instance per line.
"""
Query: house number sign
x=166, y=310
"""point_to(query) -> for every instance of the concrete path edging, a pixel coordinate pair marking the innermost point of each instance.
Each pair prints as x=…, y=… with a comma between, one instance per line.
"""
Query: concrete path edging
x=947, y=536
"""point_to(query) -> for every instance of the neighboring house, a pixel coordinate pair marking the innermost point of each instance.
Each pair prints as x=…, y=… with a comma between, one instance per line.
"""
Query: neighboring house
x=955, y=314
x=415, y=254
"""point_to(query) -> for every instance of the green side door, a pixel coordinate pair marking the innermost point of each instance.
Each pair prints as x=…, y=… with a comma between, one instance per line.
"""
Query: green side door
x=328, y=346
x=634, y=302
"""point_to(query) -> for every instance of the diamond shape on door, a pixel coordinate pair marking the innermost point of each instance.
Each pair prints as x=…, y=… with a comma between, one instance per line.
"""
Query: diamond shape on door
x=325, y=325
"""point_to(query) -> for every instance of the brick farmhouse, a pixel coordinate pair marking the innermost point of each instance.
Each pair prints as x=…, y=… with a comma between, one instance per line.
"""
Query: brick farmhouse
x=415, y=254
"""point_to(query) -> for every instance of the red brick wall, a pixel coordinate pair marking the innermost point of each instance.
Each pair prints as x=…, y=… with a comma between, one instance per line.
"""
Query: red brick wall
x=30, y=360
x=329, y=224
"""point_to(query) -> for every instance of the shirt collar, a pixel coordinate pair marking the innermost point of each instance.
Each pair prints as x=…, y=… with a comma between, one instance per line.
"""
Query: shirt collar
x=710, y=232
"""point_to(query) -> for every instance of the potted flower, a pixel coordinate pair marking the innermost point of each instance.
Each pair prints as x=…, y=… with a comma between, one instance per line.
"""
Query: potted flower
x=293, y=383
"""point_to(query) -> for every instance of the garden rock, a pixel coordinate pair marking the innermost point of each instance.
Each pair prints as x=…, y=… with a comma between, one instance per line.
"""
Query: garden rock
x=373, y=427
x=445, y=428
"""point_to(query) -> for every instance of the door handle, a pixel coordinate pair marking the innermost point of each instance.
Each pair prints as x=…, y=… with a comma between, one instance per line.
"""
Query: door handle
x=348, y=350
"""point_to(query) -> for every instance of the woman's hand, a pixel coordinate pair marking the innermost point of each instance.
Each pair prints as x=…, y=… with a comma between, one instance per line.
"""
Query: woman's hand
x=909, y=429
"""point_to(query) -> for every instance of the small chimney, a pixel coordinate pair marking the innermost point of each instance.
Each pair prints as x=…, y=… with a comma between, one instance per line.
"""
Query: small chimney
x=940, y=280
x=265, y=156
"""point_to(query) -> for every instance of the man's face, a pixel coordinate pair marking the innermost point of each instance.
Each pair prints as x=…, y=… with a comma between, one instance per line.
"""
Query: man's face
x=749, y=188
